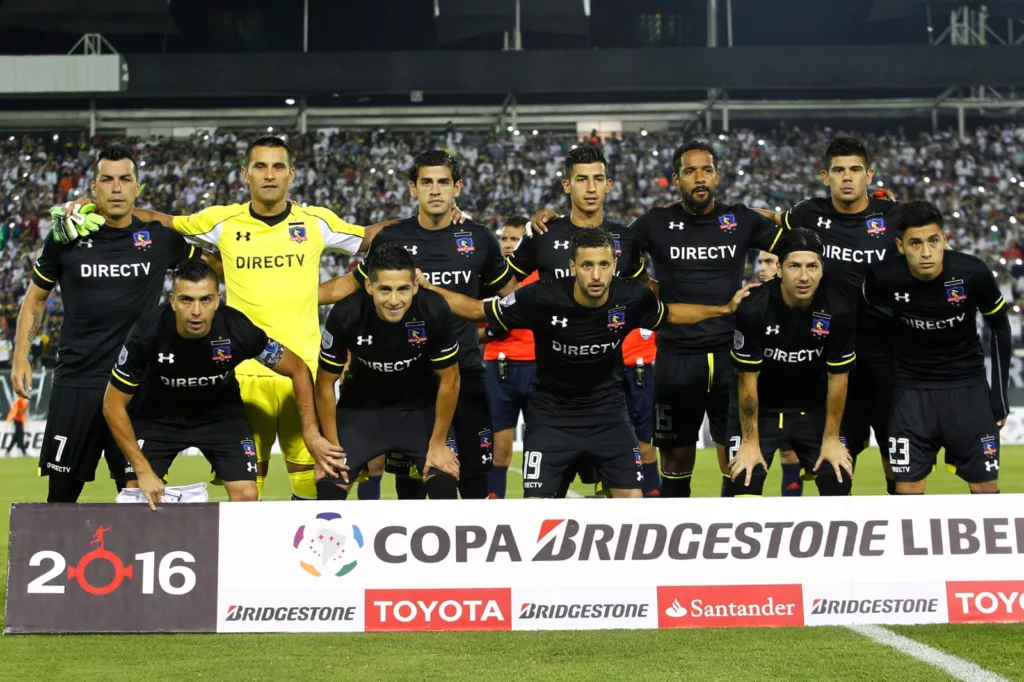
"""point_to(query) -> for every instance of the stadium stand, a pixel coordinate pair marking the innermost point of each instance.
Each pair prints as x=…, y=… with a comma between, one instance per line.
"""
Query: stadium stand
x=977, y=183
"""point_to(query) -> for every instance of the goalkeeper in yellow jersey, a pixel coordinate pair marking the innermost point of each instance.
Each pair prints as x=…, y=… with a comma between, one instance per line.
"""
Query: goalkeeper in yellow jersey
x=270, y=250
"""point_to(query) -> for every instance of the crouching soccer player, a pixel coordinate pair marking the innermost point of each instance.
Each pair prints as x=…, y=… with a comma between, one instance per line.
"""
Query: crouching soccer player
x=578, y=406
x=790, y=334
x=402, y=383
x=180, y=359
x=942, y=398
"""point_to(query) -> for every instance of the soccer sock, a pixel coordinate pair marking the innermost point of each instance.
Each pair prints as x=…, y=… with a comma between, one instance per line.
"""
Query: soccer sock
x=369, y=489
x=890, y=486
x=727, y=486
x=259, y=486
x=303, y=485
x=410, y=488
x=328, y=489
x=652, y=481
x=675, y=485
x=473, y=486
x=497, y=482
x=64, y=489
x=792, y=484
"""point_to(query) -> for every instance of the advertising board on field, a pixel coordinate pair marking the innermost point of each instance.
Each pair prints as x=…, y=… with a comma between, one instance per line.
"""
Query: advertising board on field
x=387, y=566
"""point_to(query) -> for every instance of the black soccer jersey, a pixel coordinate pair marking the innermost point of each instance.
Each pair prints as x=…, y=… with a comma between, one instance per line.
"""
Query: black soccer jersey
x=392, y=363
x=579, y=378
x=549, y=253
x=463, y=258
x=189, y=384
x=855, y=243
x=793, y=348
x=108, y=281
x=936, y=323
x=700, y=259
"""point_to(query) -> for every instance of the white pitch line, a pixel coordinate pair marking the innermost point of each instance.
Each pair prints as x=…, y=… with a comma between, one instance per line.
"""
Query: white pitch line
x=571, y=493
x=955, y=666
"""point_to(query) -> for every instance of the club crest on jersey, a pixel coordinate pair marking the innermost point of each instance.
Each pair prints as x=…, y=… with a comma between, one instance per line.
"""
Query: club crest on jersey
x=820, y=323
x=248, y=448
x=616, y=318
x=618, y=245
x=485, y=439
x=636, y=457
x=464, y=243
x=416, y=332
x=876, y=226
x=220, y=350
x=988, y=446
x=727, y=222
x=141, y=239
x=955, y=292
x=297, y=233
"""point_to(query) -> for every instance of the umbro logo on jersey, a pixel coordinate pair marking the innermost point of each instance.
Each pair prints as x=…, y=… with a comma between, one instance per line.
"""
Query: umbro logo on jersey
x=824, y=222
x=84, y=243
x=239, y=236
x=557, y=321
x=676, y=226
x=561, y=245
x=771, y=330
x=168, y=358
x=368, y=340
x=905, y=298
x=411, y=248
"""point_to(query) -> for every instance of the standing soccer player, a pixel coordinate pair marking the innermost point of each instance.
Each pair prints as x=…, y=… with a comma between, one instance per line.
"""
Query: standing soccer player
x=941, y=397
x=699, y=248
x=509, y=363
x=107, y=280
x=179, y=360
x=465, y=258
x=791, y=334
x=858, y=234
x=578, y=406
x=767, y=266
x=402, y=385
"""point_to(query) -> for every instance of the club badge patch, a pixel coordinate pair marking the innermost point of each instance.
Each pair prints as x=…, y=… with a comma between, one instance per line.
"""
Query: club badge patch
x=820, y=323
x=617, y=318
x=297, y=233
x=955, y=291
x=464, y=243
x=875, y=226
x=416, y=332
x=220, y=350
x=727, y=222
x=988, y=446
x=141, y=239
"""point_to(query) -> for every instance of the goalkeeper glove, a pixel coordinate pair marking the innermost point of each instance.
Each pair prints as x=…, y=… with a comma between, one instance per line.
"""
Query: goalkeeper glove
x=81, y=222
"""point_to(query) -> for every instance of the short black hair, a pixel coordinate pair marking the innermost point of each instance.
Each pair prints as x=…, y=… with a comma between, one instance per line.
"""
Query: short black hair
x=798, y=239
x=388, y=256
x=846, y=145
x=516, y=221
x=434, y=157
x=116, y=151
x=591, y=238
x=917, y=214
x=194, y=270
x=268, y=141
x=584, y=153
x=691, y=146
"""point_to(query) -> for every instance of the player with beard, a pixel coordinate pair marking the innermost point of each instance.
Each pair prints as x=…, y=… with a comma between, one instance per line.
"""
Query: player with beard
x=793, y=349
x=942, y=398
x=465, y=258
x=586, y=181
x=108, y=279
x=858, y=233
x=578, y=405
x=699, y=248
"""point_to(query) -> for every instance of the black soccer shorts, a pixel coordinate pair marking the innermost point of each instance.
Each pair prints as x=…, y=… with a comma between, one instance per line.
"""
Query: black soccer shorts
x=474, y=434
x=868, y=404
x=77, y=436
x=231, y=455
x=958, y=419
x=548, y=451
x=686, y=387
x=641, y=403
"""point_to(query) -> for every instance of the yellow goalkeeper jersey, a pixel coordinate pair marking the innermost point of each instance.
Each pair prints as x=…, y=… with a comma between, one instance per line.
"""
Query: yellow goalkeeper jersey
x=272, y=267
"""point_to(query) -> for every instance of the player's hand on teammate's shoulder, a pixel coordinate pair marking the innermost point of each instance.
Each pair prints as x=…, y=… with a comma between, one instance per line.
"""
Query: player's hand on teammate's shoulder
x=747, y=458
x=836, y=454
x=738, y=297
x=539, y=221
x=74, y=219
x=422, y=280
x=329, y=458
x=441, y=458
x=152, y=487
x=458, y=217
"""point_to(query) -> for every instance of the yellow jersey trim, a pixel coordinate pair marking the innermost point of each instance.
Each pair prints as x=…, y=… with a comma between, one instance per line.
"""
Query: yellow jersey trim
x=840, y=364
x=330, y=362
x=746, y=362
x=122, y=380
x=503, y=273
x=776, y=240
x=41, y=275
x=995, y=310
x=445, y=357
x=497, y=315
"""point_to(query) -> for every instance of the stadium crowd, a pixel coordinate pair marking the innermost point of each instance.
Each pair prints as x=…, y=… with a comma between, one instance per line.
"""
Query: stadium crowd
x=978, y=183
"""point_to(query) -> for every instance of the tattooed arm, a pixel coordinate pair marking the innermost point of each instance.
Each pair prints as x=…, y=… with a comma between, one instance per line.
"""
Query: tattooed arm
x=30, y=322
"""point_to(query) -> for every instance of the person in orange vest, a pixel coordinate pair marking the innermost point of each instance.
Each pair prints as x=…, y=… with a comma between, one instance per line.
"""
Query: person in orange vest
x=510, y=367
x=17, y=416
x=638, y=352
